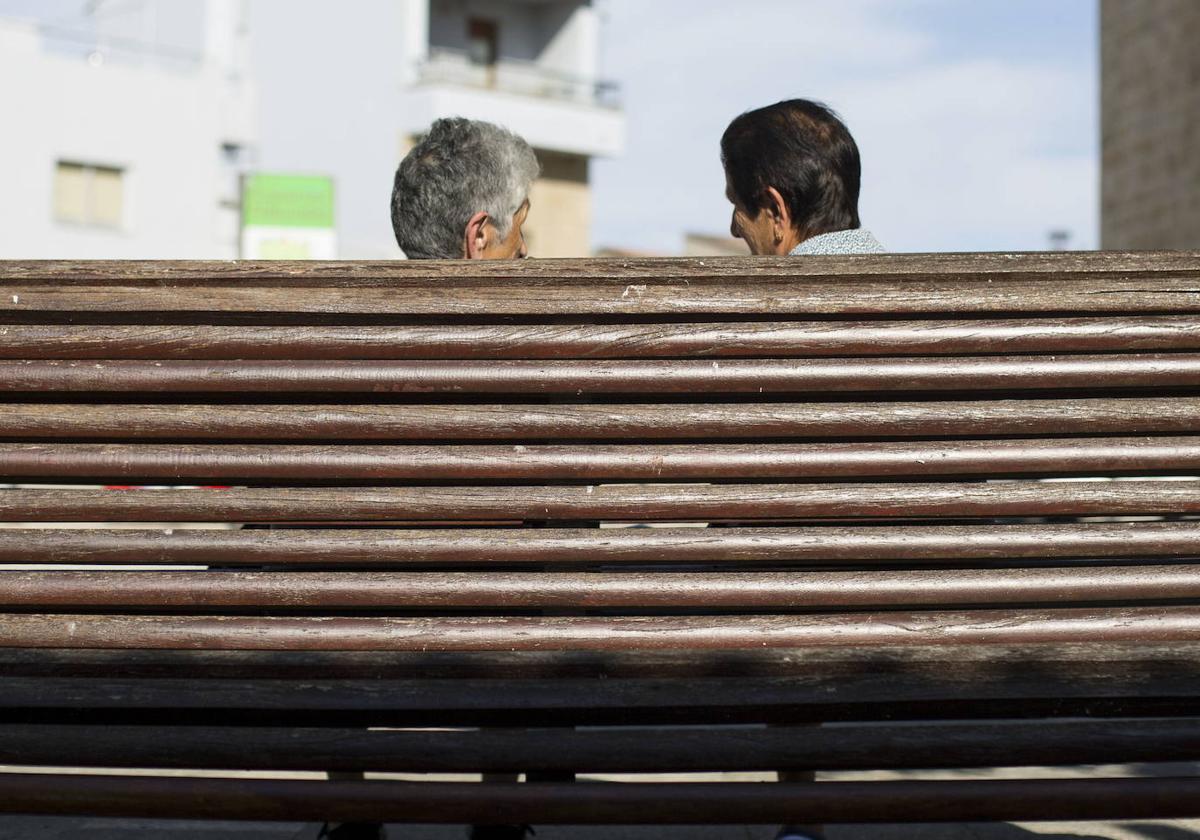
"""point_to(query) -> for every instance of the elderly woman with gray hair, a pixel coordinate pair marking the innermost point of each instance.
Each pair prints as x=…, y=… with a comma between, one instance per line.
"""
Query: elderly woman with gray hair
x=463, y=193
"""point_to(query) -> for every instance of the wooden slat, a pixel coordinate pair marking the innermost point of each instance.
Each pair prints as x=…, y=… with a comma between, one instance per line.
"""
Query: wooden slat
x=1151, y=624
x=550, y=803
x=677, y=750
x=682, y=297
x=326, y=464
x=609, y=341
x=632, y=502
x=721, y=687
x=574, y=377
x=631, y=422
x=1058, y=267
x=846, y=285
x=753, y=590
x=846, y=675
x=447, y=547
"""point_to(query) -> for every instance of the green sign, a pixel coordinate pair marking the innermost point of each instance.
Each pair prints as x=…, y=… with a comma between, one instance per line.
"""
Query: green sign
x=288, y=201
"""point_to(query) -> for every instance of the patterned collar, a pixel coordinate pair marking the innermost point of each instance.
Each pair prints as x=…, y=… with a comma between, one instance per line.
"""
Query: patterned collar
x=857, y=241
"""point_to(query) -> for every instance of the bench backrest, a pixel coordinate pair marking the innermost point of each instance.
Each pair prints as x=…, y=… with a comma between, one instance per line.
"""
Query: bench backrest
x=881, y=487
x=846, y=424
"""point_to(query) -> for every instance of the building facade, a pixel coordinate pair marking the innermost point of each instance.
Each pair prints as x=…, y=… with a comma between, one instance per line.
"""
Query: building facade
x=125, y=132
x=136, y=120
x=1150, y=132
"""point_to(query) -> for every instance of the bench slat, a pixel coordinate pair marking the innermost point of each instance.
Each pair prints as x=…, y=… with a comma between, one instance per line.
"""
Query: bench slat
x=643, y=803
x=330, y=464
x=631, y=296
x=847, y=746
x=223, y=632
x=524, y=590
x=897, y=268
x=1115, y=669
x=632, y=502
x=808, y=589
x=447, y=547
x=610, y=341
x=633, y=422
x=688, y=376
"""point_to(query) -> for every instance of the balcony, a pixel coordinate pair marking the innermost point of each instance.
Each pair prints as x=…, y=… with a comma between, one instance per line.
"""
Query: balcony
x=552, y=110
x=521, y=78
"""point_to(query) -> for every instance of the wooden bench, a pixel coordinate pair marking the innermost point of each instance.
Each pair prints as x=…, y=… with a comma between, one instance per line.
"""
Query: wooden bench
x=866, y=437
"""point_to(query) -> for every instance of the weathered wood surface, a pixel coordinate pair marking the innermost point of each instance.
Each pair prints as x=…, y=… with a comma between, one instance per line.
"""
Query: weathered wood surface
x=700, y=632
x=498, y=688
x=580, y=546
x=506, y=376
x=984, y=267
x=451, y=398
x=606, y=341
x=865, y=284
x=324, y=703
x=524, y=590
x=843, y=673
x=634, y=422
x=347, y=463
x=622, y=502
x=643, y=803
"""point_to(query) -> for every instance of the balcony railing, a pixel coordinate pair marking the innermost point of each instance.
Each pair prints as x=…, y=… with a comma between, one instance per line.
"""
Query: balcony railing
x=522, y=78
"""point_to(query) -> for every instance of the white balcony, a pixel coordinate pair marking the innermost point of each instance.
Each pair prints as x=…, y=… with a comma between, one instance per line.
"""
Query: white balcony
x=551, y=110
x=514, y=76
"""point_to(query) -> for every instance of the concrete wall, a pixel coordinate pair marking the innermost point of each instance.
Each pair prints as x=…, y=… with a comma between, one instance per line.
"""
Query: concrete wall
x=1150, y=78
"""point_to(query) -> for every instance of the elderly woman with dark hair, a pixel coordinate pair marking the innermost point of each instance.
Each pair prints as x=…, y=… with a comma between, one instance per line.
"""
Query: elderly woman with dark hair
x=463, y=193
x=792, y=174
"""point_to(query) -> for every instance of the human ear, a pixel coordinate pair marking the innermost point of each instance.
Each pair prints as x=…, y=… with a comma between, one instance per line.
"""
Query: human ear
x=475, y=236
x=781, y=218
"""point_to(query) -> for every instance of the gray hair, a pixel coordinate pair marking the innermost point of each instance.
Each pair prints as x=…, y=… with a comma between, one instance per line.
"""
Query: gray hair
x=459, y=168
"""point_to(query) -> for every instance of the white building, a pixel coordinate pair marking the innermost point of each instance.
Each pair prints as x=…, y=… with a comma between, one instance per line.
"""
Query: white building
x=124, y=129
x=134, y=121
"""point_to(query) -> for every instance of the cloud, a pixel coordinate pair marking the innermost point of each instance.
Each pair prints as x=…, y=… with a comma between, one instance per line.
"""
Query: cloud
x=959, y=152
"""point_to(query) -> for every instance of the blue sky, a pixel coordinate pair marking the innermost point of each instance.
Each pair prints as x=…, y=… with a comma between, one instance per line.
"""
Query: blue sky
x=977, y=119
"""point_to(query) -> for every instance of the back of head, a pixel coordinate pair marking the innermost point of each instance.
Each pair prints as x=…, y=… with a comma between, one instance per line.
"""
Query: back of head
x=803, y=150
x=460, y=167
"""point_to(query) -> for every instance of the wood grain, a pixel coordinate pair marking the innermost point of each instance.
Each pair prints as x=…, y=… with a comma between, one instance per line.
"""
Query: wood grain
x=526, y=590
x=634, y=422
x=334, y=547
x=223, y=632
x=605, y=341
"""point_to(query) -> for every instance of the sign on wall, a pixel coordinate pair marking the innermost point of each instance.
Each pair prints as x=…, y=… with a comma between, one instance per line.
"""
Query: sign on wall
x=287, y=217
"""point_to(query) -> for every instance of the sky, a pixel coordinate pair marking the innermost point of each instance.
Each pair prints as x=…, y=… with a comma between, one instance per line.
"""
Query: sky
x=977, y=120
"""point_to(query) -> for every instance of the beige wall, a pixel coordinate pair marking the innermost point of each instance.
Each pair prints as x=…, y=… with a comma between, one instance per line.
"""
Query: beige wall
x=1150, y=104
x=560, y=214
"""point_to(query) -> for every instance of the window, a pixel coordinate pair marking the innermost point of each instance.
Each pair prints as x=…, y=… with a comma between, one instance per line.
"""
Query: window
x=483, y=41
x=86, y=194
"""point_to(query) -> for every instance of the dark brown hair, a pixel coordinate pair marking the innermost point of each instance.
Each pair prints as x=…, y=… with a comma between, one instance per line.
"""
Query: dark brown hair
x=802, y=149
